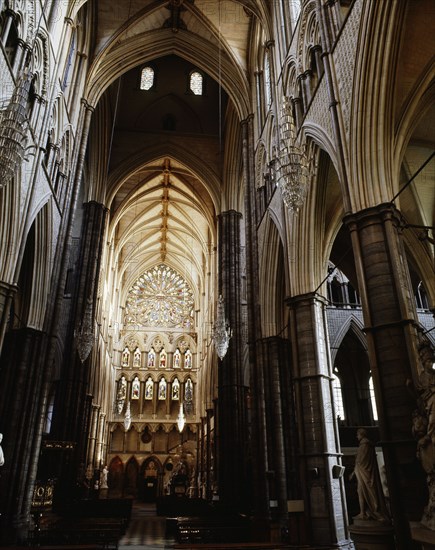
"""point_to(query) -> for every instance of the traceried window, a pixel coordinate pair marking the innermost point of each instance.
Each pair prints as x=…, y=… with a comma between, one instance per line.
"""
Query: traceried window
x=267, y=80
x=295, y=10
x=177, y=359
x=136, y=358
x=151, y=359
x=196, y=82
x=373, y=400
x=162, y=359
x=149, y=387
x=188, y=359
x=160, y=298
x=147, y=78
x=338, y=395
x=175, y=390
x=162, y=389
x=125, y=357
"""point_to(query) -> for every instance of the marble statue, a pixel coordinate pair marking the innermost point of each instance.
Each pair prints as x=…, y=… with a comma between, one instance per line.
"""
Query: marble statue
x=2, y=456
x=370, y=494
x=104, y=474
x=423, y=425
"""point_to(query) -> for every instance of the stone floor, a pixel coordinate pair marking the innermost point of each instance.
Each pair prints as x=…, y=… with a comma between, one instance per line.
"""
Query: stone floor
x=146, y=531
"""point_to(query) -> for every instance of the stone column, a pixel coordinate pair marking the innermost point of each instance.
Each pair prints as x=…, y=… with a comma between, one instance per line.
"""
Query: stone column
x=7, y=292
x=93, y=435
x=233, y=479
x=20, y=392
x=318, y=432
x=275, y=361
x=391, y=327
x=258, y=442
x=71, y=404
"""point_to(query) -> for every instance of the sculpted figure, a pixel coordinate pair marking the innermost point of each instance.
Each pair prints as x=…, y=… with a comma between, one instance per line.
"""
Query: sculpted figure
x=370, y=494
x=2, y=456
x=104, y=474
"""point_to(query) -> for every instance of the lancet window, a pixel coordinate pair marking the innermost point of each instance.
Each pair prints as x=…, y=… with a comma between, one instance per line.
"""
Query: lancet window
x=147, y=78
x=149, y=389
x=188, y=359
x=177, y=359
x=196, y=82
x=162, y=389
x=136, y=358
x=151, y=359
x=135, y=388
x=125, y=360
x=163, y=359
x=373, y=399
x=338, y=395
x=175, y=390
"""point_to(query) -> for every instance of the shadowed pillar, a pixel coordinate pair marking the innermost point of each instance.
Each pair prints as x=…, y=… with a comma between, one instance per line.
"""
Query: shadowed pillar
x=392, y=338
x=318, y=431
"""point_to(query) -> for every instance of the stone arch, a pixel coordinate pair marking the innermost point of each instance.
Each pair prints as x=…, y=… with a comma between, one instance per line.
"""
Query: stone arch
x=131, y=477
x=115, y=477
x=109, y=66
x=273, y=277
x=351, y=324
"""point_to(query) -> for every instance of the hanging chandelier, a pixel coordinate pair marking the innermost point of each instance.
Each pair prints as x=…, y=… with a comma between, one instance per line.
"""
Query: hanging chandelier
x=12, y=130
x=85, y=335
x=221, y=330
x=127, y=417
x=181, y=419
x=292, y=162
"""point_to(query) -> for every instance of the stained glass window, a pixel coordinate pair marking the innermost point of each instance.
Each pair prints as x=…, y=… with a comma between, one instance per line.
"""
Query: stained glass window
x=338, y=395
x=136, y=358
x=135, y=388
x=162, y=389
x=188, y=390
x=267, y=80
x=196, y=82
x=160, y=298
x=151, y=358
x=149, y=387
x=177, y=359
x=295, y=8
x=373, y=400
x=163, y=357
x=175, y=390
x=188, y=359
x=125, y=357
x=147, y=78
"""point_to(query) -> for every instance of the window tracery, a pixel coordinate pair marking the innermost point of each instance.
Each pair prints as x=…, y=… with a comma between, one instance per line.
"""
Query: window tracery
x=135, y=388
x=196, y=83
x=125, y=357
x=149, y=389
x=136, y=358
x=373, y=399
x=338, y=395
x=267, y=80
x=160, y=297
x=175, y=390
x=177, y=359
x=151, y=358
x=162, y=389
x=147, y=78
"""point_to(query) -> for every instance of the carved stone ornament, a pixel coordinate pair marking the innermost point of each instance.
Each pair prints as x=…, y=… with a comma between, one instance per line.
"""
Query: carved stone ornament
x=157, y=344
x=423, y=425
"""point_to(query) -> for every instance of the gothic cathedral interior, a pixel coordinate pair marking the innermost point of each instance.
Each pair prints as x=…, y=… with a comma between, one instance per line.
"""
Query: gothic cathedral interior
x=217, y=262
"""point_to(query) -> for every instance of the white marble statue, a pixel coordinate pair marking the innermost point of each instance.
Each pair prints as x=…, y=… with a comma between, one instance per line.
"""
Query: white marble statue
x=370, y=494
x=2, y=456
